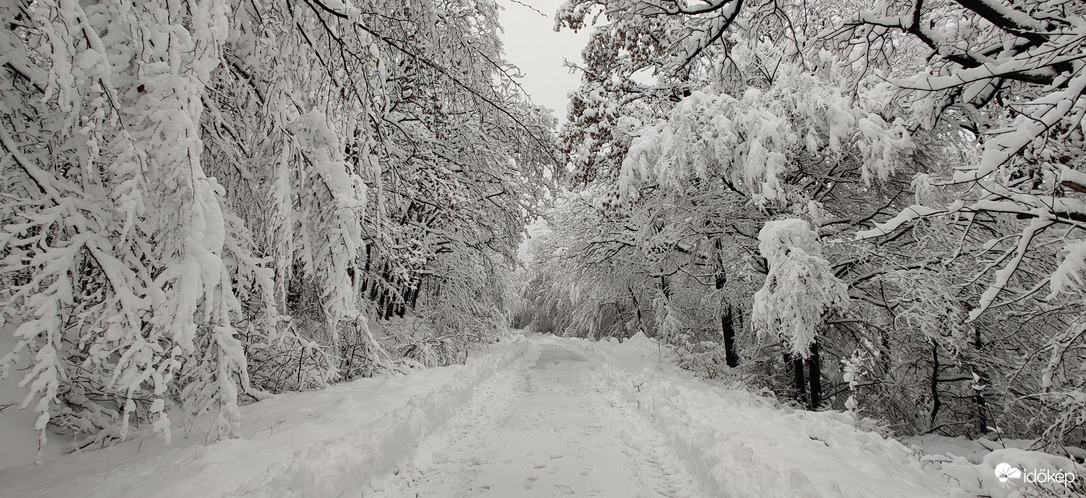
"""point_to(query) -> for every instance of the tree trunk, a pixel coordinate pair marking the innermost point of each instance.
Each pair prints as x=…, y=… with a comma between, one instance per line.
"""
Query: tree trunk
x=390, y=308
x=884, y=350
x=935, y=403
x=797, y=370
x=727, y=325
x=982, y=413
x=814, y=365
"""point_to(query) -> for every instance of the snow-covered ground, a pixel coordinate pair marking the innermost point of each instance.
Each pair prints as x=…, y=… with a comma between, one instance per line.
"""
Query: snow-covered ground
x=316, y=443
x=742, y=444
x=541, y=416
x=547, y=428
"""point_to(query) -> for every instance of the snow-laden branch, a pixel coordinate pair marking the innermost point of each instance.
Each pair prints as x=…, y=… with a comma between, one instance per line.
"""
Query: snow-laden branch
x=800, y=289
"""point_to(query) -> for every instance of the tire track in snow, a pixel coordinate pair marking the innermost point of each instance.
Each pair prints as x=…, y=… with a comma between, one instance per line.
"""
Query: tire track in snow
x=432, y=463
x=549, y=429
x=342, y=465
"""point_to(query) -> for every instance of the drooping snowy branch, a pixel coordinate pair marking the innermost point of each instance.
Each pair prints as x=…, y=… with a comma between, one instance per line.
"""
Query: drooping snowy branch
x=800, y=289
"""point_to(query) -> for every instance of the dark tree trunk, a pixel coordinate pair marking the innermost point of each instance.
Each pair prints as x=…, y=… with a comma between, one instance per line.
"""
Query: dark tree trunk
x=814, y=365
x=982, y=412
x=797, y=369
x=382, y=301
x=935, y=403
x=884, y=350
x=727, y=325
x=390, y=308
x=399, y=304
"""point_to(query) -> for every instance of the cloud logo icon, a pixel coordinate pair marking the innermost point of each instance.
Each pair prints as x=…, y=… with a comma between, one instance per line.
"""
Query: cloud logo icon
x=1004, y=471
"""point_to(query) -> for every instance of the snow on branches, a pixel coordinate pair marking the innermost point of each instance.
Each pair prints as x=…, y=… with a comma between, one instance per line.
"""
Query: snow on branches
x=1010, y=75
x=756, y=140
x=800, y=289
x=118, y=248
x=186, y=184
x=763, y=110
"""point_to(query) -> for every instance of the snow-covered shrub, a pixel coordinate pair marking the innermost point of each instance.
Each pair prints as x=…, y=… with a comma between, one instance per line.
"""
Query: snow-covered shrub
x=705, y=358
x=853, y=373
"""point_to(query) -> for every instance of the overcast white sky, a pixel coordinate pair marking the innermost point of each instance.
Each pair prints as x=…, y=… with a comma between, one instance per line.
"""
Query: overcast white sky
x=531, y=44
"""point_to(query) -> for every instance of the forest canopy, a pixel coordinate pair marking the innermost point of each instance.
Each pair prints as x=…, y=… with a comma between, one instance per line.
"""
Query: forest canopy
x=869, y=207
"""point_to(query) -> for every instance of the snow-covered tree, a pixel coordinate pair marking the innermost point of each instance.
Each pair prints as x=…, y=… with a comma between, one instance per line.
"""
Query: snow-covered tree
x=1007, y=75
x=943, y=132
x=198, y=196
x=800, y=289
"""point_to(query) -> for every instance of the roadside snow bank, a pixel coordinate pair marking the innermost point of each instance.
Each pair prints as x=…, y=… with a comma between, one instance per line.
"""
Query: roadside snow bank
x=973, y=466
x=741, y=444
x=349, y=430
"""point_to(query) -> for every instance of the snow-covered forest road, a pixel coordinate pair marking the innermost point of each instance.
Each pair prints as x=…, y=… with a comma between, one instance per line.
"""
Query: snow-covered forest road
x=551, y=428
x=285, y=247
x=536, y=416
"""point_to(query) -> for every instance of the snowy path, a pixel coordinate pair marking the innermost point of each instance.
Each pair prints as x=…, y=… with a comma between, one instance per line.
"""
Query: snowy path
x=548, y=429
x=541, y=417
